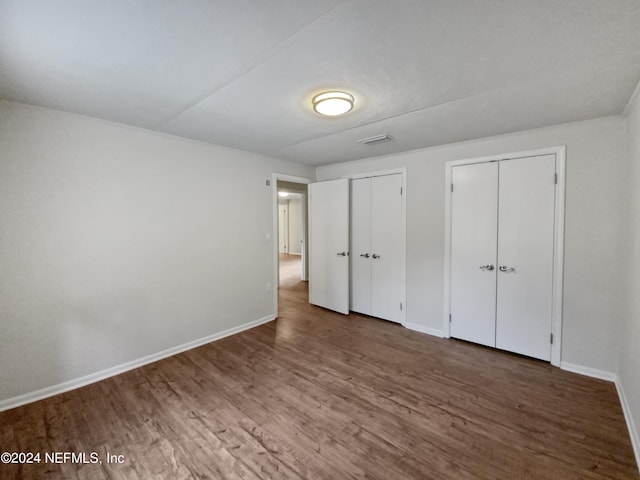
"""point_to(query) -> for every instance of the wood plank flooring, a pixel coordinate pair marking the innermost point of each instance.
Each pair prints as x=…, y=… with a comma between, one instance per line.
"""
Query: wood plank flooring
x=319, y=395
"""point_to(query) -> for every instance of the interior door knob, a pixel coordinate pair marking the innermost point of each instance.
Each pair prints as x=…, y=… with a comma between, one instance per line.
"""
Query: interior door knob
x=504, y=268
x=365, y=255
x=375, y=255
x=487, y=267
x=342, y=254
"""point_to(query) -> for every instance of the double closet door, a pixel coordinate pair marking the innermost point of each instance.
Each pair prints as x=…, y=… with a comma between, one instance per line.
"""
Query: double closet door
x=377, y=283
x=502, y=250
x=356, y=246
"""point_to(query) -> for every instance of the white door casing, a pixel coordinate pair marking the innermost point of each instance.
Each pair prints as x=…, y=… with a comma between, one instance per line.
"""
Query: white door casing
x=525, y=252
x=474, y=203
x=329, y=245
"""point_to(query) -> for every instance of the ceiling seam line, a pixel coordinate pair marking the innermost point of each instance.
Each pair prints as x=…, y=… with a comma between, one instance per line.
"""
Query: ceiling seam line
x=253, y=64
x=466, y=97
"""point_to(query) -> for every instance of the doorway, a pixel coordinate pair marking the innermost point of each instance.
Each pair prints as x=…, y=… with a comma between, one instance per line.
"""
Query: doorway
x=290, y=232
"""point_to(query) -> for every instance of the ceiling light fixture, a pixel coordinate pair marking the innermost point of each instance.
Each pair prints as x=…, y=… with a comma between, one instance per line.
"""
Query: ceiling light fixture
x=283, y=194
x=333, y=104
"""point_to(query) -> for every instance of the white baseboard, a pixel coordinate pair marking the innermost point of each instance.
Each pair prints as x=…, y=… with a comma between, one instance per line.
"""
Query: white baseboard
x=422, y=329
x=631, y=426
x=588, y=371
x=124, y=367
x=612, y=377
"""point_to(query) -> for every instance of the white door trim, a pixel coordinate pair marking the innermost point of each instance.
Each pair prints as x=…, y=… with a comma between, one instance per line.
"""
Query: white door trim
x=558, y=248
x=403, y=172
x=274, y=231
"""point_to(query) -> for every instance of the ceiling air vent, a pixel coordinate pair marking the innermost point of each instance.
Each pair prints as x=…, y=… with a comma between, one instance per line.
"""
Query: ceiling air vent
x=376, y=139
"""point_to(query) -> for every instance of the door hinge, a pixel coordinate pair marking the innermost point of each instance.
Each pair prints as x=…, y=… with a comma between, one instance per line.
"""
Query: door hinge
x=551, y=338
x=452, y=187
x=400, y=305
x=555, y=179
x=400, y=190
x=449, y=318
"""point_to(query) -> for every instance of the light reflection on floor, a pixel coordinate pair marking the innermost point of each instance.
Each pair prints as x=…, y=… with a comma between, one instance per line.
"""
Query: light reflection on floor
x=290, y=279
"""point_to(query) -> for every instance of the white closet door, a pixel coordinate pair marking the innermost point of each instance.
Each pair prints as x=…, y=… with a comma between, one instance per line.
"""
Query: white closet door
x=525, y=255
x=387, y=284
x=361, y=245
x=474, y=229
x=329, y=245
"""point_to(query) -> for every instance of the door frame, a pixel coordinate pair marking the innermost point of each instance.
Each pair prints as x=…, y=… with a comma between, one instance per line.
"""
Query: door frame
x=274, y=233
x=558, y=240
x=403, y=173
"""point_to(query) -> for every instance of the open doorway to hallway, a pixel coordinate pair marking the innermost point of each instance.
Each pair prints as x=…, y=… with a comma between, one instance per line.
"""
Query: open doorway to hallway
x=292, y=232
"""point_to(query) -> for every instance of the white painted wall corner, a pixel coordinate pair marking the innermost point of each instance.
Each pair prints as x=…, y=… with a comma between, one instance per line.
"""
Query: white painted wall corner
x=626, y=409
x=587, y=371
x=631, y=426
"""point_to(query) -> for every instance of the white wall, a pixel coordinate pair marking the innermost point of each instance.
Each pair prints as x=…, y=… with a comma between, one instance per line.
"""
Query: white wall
x=594, y=291
x=629, y=373
x=114, y=244
x=295, y=226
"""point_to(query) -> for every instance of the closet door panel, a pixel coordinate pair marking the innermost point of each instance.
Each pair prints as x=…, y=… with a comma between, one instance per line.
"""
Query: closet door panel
x=474, y=218
x=386, y=247
x=361, y=245
x=329, y=245
x=525, y=251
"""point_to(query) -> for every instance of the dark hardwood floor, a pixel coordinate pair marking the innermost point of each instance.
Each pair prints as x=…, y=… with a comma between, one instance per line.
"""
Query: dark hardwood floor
x=319, y=395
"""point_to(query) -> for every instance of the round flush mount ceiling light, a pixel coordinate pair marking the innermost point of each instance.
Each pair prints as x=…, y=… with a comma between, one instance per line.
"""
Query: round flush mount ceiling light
x=332, y=104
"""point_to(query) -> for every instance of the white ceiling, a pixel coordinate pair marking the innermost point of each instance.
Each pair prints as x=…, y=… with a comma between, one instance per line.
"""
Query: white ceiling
x=241, y=73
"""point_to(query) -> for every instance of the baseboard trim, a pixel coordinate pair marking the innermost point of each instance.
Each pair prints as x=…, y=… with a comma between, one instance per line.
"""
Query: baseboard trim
x=631, y=426
x=416, y=327
x=612, y=377
x=46, y=392
x=588, y=371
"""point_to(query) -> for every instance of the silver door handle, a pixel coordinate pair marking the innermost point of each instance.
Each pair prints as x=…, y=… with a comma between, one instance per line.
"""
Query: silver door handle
x=504, y=268
x=365, y=255
x=487, y=267
x=342, y=254
x=375, y=255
